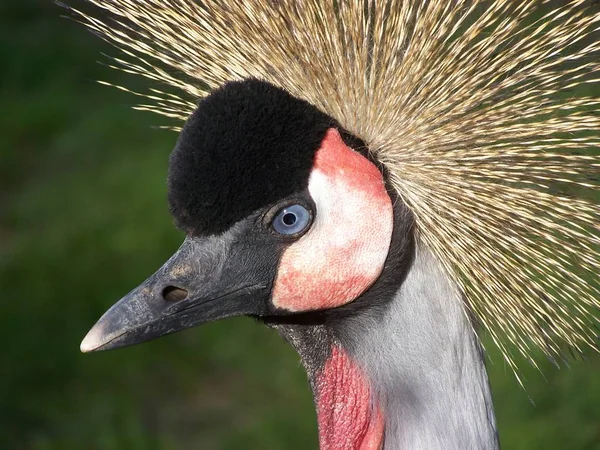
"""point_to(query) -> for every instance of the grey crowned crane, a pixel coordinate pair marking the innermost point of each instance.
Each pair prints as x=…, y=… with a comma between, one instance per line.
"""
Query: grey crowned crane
x=378, y=181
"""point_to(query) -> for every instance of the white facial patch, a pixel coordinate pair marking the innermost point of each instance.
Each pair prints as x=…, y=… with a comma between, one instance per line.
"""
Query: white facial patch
x=344, y=252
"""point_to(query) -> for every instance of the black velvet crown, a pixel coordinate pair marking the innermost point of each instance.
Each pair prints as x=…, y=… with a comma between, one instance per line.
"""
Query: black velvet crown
x=247, y=145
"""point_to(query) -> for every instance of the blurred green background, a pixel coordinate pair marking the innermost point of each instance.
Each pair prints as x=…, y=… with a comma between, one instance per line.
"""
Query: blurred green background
x=83, y=219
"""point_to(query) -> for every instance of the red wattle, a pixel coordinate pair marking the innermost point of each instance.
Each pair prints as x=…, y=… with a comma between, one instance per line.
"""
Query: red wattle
x=347, y=415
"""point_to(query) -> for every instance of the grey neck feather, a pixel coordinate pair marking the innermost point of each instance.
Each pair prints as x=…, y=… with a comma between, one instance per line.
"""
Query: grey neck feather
x=426, y=365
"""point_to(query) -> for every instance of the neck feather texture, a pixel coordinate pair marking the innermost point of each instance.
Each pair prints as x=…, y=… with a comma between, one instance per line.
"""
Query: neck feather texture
x=425, y=365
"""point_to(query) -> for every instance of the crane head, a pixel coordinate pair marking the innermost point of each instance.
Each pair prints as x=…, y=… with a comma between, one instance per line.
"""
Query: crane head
x=284, y=212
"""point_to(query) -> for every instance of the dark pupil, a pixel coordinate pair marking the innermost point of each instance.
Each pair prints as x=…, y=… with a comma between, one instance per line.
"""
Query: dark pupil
x=289, y=219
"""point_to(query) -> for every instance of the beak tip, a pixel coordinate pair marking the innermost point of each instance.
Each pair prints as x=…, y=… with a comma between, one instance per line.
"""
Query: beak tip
x=91, y=341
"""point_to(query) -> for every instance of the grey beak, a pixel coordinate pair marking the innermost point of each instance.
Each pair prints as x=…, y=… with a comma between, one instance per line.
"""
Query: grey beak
x=205, y=280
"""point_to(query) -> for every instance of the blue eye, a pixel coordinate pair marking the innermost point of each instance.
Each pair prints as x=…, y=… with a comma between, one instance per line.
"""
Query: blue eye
x=291, y=220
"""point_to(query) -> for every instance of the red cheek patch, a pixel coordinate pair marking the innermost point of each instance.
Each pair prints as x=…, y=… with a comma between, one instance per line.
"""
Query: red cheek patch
x=343, y=253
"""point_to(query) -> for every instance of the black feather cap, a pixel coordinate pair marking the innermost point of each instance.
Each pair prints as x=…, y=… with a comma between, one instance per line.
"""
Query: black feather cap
x=247, y=145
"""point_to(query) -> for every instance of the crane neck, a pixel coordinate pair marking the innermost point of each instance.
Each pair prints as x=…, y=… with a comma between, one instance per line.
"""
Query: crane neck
x=401, y=368
x=424, y=364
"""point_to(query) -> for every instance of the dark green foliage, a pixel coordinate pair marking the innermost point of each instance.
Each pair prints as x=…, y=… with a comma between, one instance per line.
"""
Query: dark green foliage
x=84, y=218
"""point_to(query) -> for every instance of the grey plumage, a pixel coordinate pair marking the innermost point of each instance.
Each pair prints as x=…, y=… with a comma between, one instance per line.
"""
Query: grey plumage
x=427, y=365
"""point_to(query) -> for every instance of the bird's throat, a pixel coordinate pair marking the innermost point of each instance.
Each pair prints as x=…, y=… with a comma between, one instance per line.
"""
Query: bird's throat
x=348, y=415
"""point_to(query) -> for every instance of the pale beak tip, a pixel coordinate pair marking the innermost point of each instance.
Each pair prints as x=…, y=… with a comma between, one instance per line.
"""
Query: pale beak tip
x=91, y=341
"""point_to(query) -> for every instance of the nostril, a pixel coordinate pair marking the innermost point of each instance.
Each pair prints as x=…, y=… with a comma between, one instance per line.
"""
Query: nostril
x=174, y=294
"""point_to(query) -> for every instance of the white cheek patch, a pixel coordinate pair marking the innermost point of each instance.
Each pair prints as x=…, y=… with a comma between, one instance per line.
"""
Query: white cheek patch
x=344, y=252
